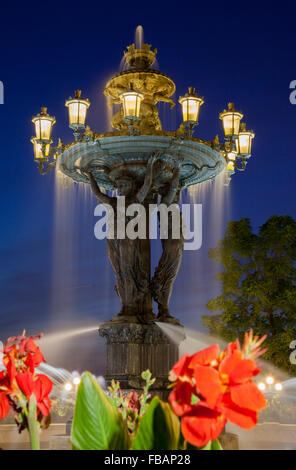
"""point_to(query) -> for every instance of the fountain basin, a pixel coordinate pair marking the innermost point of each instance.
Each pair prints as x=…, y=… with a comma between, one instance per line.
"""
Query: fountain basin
x=110, y=154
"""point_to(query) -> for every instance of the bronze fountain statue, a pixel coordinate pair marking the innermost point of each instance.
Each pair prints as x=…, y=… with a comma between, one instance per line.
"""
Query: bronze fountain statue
x=142, y=163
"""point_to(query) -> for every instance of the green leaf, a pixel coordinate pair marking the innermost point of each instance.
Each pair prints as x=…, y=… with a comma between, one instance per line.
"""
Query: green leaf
x=159, y=428
x=97, y=424
x=216, y=445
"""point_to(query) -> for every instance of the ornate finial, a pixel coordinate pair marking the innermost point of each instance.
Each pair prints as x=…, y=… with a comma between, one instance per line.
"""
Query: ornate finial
x=43, y=111
x=191, y=90
x=243, y=127
x=88, y=131
x=140, y=58
x=216, y=141
x=78, y=94
x=230, y=106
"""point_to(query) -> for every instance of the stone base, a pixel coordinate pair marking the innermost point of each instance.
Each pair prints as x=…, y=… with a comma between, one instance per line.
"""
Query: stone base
x=133, y=348
x=60, y=442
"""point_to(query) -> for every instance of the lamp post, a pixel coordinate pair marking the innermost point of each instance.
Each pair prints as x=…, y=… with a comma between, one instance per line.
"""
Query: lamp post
x=131, y=103
x=191, y=104
x=77, y=113
x=42, y=141
x=244, y=141
x=43, y=126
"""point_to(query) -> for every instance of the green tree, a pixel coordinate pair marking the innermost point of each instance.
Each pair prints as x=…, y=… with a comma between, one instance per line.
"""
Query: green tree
x=258, y=285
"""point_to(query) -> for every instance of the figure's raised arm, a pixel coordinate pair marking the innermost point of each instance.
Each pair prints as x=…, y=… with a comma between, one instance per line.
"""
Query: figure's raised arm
x=101, y=197
x=173, y=188
x=144, y=190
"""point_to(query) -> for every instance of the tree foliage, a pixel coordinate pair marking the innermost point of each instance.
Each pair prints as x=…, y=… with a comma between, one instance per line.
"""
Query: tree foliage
x=258, y=285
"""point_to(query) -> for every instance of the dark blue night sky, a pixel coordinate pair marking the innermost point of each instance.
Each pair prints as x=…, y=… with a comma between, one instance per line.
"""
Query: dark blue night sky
x=54, y=275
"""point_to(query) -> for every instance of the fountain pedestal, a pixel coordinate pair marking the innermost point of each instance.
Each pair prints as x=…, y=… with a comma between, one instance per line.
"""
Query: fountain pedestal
x=133, y=348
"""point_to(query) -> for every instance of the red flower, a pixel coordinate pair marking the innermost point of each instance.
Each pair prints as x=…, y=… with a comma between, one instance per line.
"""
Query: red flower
x=202, y=424
x=4, y=404
x=211, y=388
x=29, y=347
x=9, y=362
x=180, y=398
x=40, y=386
x=5, y=389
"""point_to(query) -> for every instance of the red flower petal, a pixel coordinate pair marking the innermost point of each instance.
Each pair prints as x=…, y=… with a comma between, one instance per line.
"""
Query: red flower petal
x=205, y=357
x=243, y=371
x=4, y=405
x=208, y=383
x=30, y=363
x=42, y=386
x=180, y=398
x=29, y=346
x=230, y=362
x=8, y=361
x=248, y=396
x=242, y=417
x=44, y=406
x=202, y=425
x=180, y=369
x=233, y=347
x=25, y=382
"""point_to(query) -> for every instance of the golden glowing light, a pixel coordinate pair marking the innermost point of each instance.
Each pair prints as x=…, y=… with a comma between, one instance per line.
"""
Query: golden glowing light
x=232, y=156
x=43, y=125
x=77, y=110
x=261, y=386
x=131, y=102
x=68, y=387
x=76, y=380
x=231, y=121
x=230, y=166
x=191, y=104
x=244, y=141
x=278, y=387
x=269, y=380
x=38, y=155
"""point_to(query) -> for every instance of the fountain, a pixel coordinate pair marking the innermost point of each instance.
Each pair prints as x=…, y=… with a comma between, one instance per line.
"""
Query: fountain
x=143, y=164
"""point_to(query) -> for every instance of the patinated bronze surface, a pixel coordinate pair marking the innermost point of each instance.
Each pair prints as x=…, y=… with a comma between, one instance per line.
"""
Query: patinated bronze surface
x=172, y=251
x=130, y=258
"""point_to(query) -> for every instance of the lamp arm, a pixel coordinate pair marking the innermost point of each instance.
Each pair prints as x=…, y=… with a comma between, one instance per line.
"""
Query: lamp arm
x=243, y=167
x=44, y=166
x=43, y=170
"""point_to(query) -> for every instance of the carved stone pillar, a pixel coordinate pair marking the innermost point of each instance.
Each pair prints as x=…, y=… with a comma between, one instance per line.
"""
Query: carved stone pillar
x=133, y=348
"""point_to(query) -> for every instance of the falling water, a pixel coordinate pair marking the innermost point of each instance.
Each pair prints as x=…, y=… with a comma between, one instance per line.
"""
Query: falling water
x=139, y=39
x=198, y=271
x=80, y=284
x=109, y=113
x=139, y=36
x=74, y=347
